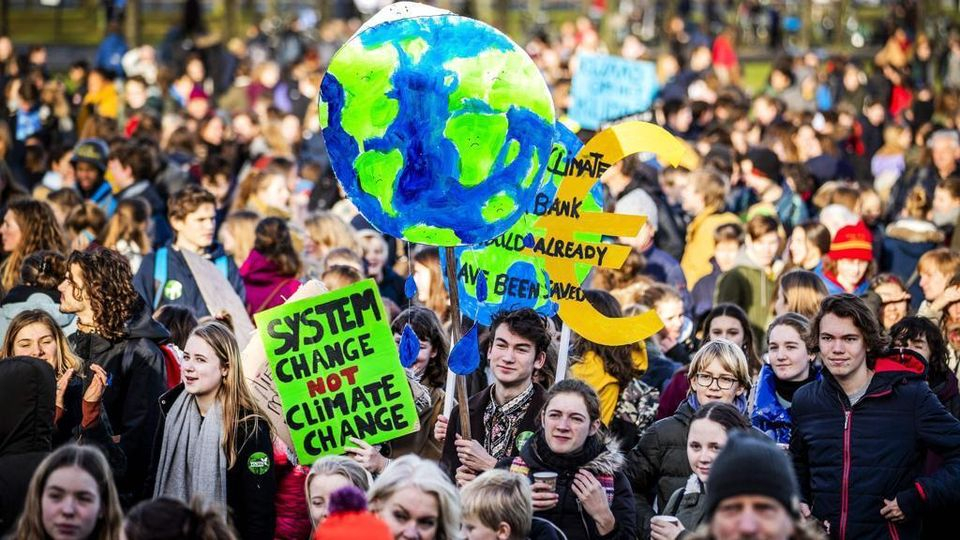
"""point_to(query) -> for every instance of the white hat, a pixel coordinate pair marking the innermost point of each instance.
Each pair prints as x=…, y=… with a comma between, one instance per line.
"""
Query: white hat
x=638, y=203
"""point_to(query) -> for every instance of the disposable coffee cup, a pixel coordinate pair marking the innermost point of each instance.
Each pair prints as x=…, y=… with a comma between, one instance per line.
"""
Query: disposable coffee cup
x=546, y=477
x=664, y=519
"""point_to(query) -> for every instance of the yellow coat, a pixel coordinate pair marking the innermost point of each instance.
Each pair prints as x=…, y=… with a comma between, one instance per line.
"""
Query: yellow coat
x=700, y=244
x=591, y=371
x=105, y=102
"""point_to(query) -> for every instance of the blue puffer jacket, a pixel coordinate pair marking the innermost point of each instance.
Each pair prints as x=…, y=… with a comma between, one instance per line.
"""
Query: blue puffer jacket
x=849, y=459
x=768, y=415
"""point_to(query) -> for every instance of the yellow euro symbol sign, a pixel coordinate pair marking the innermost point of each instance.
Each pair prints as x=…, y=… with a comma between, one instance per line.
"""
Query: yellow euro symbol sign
x=564, y=220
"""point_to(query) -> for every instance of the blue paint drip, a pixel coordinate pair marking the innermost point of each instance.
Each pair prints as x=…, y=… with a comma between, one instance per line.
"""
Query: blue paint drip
x=429, y=178
x=410, y=287
x=482, y=288
x=528, y=241
x=409, y=346
x=465, y=356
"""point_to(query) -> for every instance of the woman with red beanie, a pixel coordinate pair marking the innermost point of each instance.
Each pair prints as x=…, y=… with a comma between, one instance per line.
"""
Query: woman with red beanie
x=847, y=268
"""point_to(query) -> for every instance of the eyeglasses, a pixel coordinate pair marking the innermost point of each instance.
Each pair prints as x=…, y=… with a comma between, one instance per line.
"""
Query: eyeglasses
x=724, y=382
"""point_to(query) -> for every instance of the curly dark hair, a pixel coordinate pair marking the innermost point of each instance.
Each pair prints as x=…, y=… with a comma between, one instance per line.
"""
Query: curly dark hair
x=848, y=306
x=525, y=323
x=911, y=328
x=428, y=328
x=617, y=360
x=108, y=282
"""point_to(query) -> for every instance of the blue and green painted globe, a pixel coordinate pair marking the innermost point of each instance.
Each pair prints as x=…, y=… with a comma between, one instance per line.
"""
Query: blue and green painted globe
x=439, y=128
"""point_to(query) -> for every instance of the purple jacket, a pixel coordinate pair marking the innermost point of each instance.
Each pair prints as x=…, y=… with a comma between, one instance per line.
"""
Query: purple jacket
x=266, y=286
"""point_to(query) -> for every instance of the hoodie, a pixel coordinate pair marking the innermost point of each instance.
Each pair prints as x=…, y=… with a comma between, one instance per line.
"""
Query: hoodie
x=906, y=240
x=266, y=287
x=752, y=288
x=137, y=370
x=23, y=297
x=27, y=395
x=590, y=369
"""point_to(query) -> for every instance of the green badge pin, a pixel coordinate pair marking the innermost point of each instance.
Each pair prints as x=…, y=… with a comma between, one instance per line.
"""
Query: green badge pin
x=522, y=439
x=173, y=290
x=259, y=463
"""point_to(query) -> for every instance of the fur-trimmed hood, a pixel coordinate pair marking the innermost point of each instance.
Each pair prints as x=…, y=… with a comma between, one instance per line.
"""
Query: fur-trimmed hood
x=610, y=460
x=915, y=231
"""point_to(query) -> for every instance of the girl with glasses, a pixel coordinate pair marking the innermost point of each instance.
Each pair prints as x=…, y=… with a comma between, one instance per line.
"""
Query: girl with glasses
x=659, y=464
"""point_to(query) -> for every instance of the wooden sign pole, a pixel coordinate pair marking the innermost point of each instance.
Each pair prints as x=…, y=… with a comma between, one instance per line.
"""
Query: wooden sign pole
x=457, y=333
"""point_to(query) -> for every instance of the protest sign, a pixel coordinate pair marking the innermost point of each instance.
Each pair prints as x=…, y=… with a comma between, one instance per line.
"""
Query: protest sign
x=566, y=218
x=606, y=88
x=438, y=126
x=336, y=369
x=516, y=280
x=256, y=369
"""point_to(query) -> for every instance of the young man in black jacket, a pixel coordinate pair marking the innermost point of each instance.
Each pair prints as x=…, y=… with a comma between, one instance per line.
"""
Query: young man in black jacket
x=862, y=432
x=115, y=330
x=503, y=415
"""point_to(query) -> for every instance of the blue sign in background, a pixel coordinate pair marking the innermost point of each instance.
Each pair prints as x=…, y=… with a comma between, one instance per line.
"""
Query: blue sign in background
x=607, y=88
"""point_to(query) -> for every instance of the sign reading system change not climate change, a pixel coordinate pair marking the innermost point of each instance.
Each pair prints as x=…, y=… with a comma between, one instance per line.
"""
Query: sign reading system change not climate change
x=337, y=370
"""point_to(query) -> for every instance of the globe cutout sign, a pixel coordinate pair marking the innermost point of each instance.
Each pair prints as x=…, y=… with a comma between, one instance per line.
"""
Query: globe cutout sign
x=438, y=127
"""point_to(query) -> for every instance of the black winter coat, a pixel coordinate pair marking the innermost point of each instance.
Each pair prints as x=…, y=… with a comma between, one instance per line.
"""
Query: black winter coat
x=849, y=459
x=568, y=515
x=137, y=370
x=450, y=462
x=657, y=466
x=251, y=482
x=27, y=395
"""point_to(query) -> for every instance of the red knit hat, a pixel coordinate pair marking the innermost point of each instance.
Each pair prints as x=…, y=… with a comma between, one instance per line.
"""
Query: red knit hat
x=350, y=520
x=852, y=242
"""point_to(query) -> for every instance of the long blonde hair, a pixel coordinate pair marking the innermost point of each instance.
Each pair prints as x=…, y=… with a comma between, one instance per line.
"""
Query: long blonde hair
x=65, y=358
x=234, y=395
x=242, y=226
x=91, y=461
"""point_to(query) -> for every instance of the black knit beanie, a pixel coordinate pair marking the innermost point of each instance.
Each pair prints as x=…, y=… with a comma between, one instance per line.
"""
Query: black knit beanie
x=752, y=465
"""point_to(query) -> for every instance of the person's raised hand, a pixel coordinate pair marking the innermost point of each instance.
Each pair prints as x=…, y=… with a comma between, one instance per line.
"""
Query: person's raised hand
x=440, y=428
x=366, y=455
x=98, y=384
x=665, y=530
x=62, y=382
x=464, y=476
x=473, y=455
x=543, y=496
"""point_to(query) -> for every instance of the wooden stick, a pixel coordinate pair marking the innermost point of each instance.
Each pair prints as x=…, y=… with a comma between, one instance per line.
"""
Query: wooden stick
x=564, y=353
x=457, y=333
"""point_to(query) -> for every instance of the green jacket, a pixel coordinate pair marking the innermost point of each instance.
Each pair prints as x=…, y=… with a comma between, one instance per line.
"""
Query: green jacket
x=750, y=287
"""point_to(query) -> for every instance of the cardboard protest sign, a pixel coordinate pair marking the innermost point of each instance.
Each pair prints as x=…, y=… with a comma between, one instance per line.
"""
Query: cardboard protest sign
x=336, y=370
x=257, y=372
x=516, y=280
x=562, y=249
x=606, y=88
x=438, y=126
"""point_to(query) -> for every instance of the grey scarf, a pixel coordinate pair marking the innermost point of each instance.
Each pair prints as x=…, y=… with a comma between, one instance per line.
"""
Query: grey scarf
x=192, y=461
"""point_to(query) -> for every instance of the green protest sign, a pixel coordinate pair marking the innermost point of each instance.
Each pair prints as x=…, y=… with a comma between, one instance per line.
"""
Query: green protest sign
x=337, y=370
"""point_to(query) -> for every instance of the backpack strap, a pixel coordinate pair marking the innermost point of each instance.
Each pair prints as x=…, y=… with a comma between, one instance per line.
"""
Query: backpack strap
x=221, y=264
x=159, y=275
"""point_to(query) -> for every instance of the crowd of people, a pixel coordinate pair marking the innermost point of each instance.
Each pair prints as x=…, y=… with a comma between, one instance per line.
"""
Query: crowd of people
x=802, y=257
